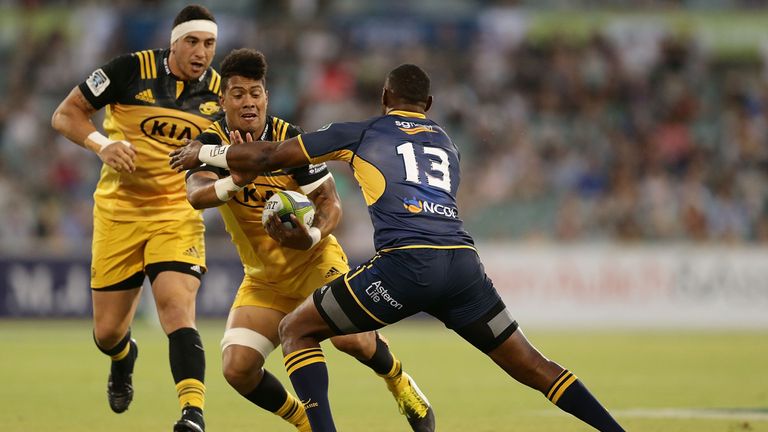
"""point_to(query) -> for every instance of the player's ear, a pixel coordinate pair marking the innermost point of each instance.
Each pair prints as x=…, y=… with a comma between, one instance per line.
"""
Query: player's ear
x=429, y=103
x=384, y=101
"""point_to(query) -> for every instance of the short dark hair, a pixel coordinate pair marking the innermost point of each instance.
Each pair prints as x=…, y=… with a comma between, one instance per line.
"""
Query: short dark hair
x=193, y=12
x=410, y=83
x=244, y=62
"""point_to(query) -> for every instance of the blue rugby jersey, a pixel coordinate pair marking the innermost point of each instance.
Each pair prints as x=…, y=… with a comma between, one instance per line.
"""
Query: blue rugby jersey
x=408, y=170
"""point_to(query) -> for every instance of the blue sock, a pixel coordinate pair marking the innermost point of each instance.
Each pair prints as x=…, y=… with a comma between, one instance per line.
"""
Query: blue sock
x=309, y=377
x=571, y=396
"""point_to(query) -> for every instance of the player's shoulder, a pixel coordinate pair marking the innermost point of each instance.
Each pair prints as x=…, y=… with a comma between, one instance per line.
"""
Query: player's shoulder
x=216, y=133
x=213, y=80
x=147, y=62
x=283, y=130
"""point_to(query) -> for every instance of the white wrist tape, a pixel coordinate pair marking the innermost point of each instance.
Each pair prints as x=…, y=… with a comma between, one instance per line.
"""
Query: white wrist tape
x=316, y=235
x=201, y=25
x=215, y=155
x=99, y=139
x=224, y=187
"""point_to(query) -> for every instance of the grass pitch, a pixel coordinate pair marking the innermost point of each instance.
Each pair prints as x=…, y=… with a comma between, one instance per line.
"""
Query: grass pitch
x=52, y=378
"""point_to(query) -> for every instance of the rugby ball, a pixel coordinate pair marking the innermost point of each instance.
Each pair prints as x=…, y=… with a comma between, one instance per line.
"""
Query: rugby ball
x=285, y=203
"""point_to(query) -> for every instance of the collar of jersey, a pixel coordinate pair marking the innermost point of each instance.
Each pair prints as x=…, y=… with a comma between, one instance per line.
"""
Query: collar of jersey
x=407, y=114
x=263, y=134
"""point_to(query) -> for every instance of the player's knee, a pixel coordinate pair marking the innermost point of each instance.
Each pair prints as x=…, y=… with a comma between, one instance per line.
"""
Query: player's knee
x=238, y=372
x=107, y=337
x=286, y=328
x=290, y=329
x=351, y=344
x=174, y=316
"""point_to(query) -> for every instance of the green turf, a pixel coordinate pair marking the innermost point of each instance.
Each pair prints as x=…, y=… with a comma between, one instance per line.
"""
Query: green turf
x=52, y=378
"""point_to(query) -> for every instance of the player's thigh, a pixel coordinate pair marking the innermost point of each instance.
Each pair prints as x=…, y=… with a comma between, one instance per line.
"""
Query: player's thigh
x=176, y=245
x=470, y=304
x=378, y=293
x=117, y=252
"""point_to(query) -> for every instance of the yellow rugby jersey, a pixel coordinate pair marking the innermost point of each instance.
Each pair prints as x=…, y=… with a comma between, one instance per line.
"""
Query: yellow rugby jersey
x=154, y=111
x=263, y=259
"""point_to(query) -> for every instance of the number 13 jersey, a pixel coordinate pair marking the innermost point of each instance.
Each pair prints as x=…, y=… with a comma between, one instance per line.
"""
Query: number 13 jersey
x=408, y=170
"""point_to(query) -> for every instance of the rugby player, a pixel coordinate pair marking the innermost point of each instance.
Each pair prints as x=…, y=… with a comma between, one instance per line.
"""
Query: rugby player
x=282, y=266
x=408, y=169
x=143, y=225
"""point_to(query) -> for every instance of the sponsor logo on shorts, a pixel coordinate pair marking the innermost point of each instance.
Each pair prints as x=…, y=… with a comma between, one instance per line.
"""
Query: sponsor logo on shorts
x=416, y=206
x=192, y=252
x=196, y=269
x=332, y=272
x=323, y=289
x=378, y=293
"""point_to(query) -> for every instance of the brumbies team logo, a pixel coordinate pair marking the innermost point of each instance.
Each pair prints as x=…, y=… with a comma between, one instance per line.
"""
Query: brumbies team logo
x=413, y=205
x=416, y=206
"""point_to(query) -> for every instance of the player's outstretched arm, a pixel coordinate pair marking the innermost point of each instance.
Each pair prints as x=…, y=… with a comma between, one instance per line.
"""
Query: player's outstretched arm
x=72, y=119
x=248, y=158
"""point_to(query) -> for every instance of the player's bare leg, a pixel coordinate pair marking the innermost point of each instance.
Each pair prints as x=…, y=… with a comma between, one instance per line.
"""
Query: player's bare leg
x=527, y=365
x=250, y=336
x=373, y=351
x=113, y=313
x=175, y=295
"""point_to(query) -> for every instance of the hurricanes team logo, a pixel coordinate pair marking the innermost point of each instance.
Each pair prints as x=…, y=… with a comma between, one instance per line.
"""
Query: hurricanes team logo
x=413, y=205
x=209, y=108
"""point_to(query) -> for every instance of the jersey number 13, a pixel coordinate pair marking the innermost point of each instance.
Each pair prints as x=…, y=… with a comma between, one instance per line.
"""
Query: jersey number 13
x=436, y=166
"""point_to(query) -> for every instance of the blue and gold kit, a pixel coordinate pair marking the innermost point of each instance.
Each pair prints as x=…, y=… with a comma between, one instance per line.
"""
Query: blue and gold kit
x=408, y=170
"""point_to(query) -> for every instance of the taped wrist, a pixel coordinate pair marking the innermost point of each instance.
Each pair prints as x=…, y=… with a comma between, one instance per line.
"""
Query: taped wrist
x=316, y=235
x=99, y=139
x=215, y=155
x=225, y=188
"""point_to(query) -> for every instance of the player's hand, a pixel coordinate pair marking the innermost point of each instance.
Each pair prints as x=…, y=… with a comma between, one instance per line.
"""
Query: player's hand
x=295, y=238
x=236, y=138
x=185, y=158
x=240, y=178
x=119, y=155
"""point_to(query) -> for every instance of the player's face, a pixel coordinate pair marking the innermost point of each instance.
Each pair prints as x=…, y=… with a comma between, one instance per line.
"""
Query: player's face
x=191, y=54
x=245, y=105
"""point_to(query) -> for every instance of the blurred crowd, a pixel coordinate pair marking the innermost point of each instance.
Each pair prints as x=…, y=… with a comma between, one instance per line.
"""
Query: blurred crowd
x=614, y=136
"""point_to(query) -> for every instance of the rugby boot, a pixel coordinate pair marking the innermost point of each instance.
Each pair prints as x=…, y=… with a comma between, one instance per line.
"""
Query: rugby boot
x=120, y=384
x=191, y=421
x=412, y=403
